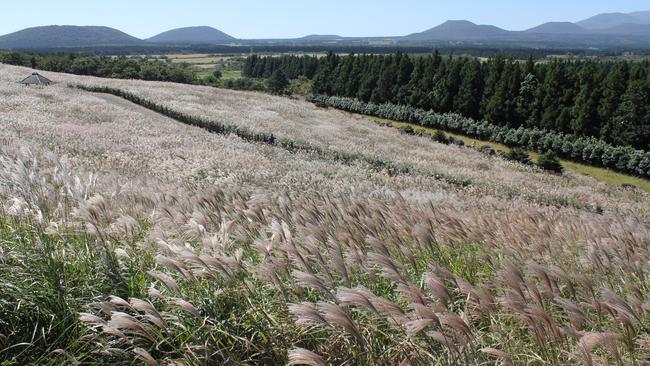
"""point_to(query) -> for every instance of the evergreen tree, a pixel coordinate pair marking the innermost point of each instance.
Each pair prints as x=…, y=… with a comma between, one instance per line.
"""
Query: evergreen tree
x=556, y=104
x=585, y=119
x=614, y=87
x=631, y=122
x=526, y=98
x=401, y=90
x=549, y=161
x=493, y=97
x=278, y=83
x=470, y=91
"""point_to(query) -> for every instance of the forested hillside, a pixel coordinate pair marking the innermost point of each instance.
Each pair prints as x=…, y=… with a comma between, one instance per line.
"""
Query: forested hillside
x=605, y=100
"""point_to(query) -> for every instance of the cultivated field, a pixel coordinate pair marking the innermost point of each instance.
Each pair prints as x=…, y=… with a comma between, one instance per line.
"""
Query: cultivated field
x=126, y=235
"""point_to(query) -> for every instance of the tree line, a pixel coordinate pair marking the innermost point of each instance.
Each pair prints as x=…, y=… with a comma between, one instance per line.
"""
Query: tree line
x=111, y=67
x=579, y=148
x=606, y=100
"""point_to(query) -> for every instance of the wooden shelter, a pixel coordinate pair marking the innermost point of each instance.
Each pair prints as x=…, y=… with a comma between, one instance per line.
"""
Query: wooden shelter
x=36, y=79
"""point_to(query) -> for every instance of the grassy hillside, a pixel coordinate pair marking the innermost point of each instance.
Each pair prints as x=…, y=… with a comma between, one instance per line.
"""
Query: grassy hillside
x=128, y=235
x=610, y=177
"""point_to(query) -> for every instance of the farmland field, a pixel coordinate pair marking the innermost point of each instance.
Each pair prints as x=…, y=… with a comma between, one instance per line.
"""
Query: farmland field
x=126, y=235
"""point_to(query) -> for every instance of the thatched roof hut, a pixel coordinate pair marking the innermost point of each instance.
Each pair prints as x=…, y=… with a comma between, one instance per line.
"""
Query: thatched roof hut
x=36, y=79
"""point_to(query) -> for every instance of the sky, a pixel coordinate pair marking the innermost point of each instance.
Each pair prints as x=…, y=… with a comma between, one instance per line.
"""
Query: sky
x=248, y=19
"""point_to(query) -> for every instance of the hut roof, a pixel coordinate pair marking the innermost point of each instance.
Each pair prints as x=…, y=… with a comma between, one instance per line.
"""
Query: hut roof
x=36, y=79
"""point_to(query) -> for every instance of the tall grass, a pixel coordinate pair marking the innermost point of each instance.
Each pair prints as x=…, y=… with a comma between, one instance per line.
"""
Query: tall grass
x=277, y=278
x=192, y=248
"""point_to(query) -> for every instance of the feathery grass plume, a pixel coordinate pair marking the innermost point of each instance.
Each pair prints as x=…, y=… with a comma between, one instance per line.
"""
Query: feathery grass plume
x=415, y=327
x=486, y=300
x=105, y=306
x=377, y=245
x=437, y=288
x=538, y=313
x=301, y=356
x=308, y=280
x=118, y=301
x=145, y=356
x=455, y=322
x=337, y=259
x=549, y=290
x=91, y=319
x=424, y=312
x=391, y=310
x=154, y=293
x=424, y=236
x=391, y=269
x=306, y=313
x=129, y=325
x=97, y=213
x=224, y=265
x=187, y=306
x=107, y=329
x=357, y=297
x=125, y=226
x=65, y=354
x=498, y=354
x=175, y=265
x=166, y=280
x=577, y=317
x=334, y=315
x=614, y=302
x=151, y=313
x=592, y=340
x=411, y=293
x=444, y=340
x=513, y=278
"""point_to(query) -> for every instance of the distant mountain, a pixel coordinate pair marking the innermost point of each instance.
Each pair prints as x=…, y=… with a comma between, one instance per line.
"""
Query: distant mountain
x=626, y=29
x=611, y=20
x=192, y=35
x=457, y=30
x=320, y=37
x=642, y=16
x=54, y=36
x=557, y=28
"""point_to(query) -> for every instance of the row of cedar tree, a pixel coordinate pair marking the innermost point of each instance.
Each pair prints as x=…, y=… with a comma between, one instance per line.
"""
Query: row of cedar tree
x=609, y=101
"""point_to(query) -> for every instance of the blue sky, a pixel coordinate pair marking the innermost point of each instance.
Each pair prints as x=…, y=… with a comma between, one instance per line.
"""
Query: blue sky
x=293, y=18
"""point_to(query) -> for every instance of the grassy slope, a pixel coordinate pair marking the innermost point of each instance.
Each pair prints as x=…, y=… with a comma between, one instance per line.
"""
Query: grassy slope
x=253, y=211
x=605, y=175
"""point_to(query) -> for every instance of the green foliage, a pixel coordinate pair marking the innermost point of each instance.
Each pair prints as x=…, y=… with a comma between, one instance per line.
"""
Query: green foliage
x=278, y=83
x=441, y=137
x=605, y=100
x=549, y=161
x=583, y=149
x=112, y=67
x=407, y=130
x=47, y=280
x=518, y=154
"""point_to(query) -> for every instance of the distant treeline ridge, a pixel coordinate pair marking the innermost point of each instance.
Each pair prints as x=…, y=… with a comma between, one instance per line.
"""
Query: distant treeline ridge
x=605, y=100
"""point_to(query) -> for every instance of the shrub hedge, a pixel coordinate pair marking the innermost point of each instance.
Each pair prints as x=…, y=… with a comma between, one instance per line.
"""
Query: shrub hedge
x=582, y=149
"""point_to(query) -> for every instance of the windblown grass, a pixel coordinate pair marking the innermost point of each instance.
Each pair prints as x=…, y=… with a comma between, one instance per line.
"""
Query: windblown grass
x=126, y=236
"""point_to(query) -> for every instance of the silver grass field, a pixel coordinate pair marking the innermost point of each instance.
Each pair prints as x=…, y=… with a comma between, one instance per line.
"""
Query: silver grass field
x=129, y=238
